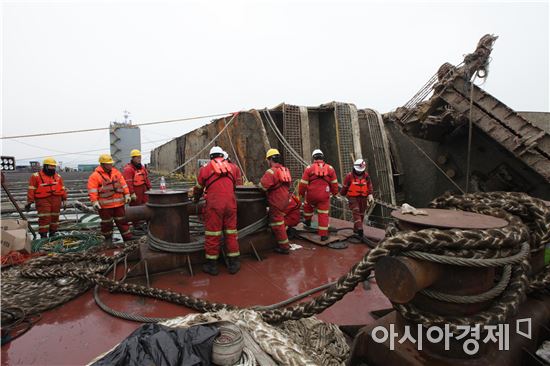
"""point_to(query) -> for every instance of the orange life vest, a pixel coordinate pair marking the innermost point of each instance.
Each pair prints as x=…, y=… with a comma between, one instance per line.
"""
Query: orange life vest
x=140, y=177
x=320, y=171
x=283, y=174
x=358, y=187
x=110, y=187
x=320, y=168
x=49, y=186
x=220, y=169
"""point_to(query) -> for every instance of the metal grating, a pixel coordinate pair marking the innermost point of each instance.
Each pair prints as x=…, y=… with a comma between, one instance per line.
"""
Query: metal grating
x=292, y=132
x=379, y=164
x=344, y=138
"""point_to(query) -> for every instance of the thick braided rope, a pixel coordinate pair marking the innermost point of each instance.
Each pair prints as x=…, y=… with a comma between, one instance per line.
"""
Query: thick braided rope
x=35, y=294
x=493, y=243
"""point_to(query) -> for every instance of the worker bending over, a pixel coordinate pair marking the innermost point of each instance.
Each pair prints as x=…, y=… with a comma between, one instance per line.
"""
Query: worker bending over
x=292, y=215
x=276, y=183
x=47, y=191
x=358, y=189
x=108, y=193
x=316, y=186
x=218, y=180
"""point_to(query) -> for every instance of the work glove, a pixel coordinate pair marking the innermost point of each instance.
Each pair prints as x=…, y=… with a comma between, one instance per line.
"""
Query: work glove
x=133, y=197
x=96, y=205
x=28, y=206
x=370, y=198
x=127, y=198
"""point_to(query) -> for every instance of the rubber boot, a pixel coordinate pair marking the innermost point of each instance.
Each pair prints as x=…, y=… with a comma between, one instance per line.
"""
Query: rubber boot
x=211, y=267
x=307, y=226
x=43, y=235
x=282, y=250
x=233, y=264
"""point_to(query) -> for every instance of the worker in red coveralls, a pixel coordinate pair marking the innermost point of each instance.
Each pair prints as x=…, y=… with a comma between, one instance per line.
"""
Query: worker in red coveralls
x=358, y=189
x=292, y=215
x=47, y=191
x=137, y=179
x=238, y=177
x=108, y=193
x=318, y=182
x=276, y=183
x=218, y=180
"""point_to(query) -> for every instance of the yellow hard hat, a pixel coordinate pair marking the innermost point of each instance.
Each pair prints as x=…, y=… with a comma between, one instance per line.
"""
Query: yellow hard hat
x=134, y=153
x=49, y=161
x=272, y=152
x=105, y=159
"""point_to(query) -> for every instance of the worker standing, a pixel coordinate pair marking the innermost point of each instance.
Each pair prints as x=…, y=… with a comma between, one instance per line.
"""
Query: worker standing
x=276, y=183
x=47, y=191
x=358, y=189
x=137, y=179
x=108, y=193
x=318, y=182
x=218, y=180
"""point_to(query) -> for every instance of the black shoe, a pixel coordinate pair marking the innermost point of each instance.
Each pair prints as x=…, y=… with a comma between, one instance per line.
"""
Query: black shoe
x=282, y=250
x=211, y=267
x=324, y=237
x=52, y=234
x=307, y=224
x=233, y=264
x=43, y=235
x=291, y=232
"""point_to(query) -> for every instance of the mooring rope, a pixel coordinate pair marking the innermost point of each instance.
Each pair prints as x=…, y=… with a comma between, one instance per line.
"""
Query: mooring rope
x=487, y=244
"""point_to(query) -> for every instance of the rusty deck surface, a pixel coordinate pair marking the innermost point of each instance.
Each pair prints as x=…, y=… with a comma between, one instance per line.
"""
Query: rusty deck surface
x=78, y=331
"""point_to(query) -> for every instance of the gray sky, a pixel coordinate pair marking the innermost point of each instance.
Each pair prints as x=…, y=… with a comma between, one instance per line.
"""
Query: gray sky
x=79, y=64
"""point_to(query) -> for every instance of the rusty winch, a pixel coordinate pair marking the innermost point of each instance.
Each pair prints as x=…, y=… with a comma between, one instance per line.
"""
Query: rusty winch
x=172, y=244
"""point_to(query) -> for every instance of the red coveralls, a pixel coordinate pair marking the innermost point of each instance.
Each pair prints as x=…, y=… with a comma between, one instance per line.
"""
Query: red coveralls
x=276, y=183
x=357, y=188
x=138, y=183
x=317, y=184
x=109, y=190
x=238, y=175
x=47, y=193
x=292, y=212
x=218, y=180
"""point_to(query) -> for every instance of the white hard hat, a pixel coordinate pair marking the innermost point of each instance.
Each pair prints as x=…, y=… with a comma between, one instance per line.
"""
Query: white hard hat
x=225, y=155
x=316, y=151
x=360, y=165
x=216, y=150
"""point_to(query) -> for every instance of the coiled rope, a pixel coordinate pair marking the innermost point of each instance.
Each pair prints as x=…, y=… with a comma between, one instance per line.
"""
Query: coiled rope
x=488, y=244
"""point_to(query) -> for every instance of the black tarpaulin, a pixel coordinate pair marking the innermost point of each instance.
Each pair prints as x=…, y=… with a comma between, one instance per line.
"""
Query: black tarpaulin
x=155, y=344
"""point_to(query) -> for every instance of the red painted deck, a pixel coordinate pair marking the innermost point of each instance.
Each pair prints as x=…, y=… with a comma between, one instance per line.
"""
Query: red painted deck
x=78, y=331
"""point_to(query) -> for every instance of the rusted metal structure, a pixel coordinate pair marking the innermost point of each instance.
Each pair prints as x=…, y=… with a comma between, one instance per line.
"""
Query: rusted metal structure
x=475, y=141
x=171, y=244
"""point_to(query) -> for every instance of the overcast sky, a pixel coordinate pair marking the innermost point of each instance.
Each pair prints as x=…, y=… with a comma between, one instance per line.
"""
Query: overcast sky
x=78, y=64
